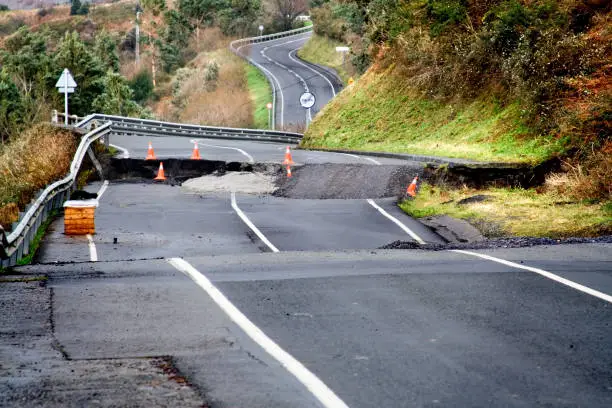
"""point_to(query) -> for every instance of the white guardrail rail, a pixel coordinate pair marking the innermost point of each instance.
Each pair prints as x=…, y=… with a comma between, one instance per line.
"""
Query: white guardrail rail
x=236, y=48
x=144, y=127
x=17, y=244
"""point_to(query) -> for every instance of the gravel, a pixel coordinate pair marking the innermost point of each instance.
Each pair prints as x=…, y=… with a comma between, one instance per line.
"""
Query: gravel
x=518, y=242
x=239, y=182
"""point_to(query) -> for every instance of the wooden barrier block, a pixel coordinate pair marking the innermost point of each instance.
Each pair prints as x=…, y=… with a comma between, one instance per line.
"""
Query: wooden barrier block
x=79, y=217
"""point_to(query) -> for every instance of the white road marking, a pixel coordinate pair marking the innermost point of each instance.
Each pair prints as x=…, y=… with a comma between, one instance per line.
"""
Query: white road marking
x=124, y=151
x=362, y=157
x=321, y=391
x=200, y=143
x=277, y=86
x=93, y=254
x=251, y=225
x=542, y=272
x=397, y=222
x=312, y=69
x=102, y=189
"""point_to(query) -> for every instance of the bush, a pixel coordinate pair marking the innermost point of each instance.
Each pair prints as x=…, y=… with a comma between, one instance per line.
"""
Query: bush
x=142, y=86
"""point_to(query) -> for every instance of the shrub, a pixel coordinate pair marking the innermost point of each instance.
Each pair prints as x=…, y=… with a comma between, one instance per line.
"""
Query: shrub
x=142, y=86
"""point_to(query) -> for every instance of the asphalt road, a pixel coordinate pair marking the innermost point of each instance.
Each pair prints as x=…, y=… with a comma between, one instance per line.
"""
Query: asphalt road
x=233, y=150
x=292, y=77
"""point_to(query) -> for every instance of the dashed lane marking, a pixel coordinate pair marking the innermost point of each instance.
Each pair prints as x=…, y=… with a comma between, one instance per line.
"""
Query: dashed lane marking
x=93, y=254
x=317, y=387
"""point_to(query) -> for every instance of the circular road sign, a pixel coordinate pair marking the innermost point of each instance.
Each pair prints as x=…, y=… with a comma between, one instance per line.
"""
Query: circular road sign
x=307, y=100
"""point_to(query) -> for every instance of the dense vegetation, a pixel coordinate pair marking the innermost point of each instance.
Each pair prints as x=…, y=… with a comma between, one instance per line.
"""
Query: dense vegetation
x=540, y=65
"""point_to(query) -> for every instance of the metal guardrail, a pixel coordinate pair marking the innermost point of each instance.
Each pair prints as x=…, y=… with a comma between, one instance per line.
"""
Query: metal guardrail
x=58, y=117
x=235, y=47
x=144, y=127
x=17, y=244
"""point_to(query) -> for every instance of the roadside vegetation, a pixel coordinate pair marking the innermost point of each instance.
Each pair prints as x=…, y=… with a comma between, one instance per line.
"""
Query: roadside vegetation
x=261, y=95
x=38, y=157
x=499, y=80
x=322, y=51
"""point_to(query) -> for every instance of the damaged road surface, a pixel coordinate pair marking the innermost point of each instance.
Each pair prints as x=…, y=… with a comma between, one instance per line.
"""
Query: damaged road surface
x=244, y=289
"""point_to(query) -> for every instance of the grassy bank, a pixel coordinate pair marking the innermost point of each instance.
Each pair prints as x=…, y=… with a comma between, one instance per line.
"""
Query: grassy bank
x=38, y=157
x=322, y=50
x=381, y=112
x=515, y=212
x=261, y=95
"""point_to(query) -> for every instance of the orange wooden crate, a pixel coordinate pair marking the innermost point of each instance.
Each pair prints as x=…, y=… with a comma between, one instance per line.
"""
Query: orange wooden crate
x=79, y=217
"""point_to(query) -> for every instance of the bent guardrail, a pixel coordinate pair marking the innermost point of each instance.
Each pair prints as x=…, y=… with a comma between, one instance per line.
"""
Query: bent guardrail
x=236, y=45
x=145, y=127
x=17, y=244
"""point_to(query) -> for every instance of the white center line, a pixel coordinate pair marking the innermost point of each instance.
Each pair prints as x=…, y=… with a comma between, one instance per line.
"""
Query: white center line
x=397, y=222
x=248, y=156
x=541, y=272
x=321, y=391
x=251, y=225
x=93, y=254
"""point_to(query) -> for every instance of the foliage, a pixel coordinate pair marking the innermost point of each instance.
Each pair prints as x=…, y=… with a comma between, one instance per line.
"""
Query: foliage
x=4, y=7
x=78, y=8
x=105, y=49
x=116, y=98
x=142, y=86
x=11, y=107
x=239, y=17
x=155, y=6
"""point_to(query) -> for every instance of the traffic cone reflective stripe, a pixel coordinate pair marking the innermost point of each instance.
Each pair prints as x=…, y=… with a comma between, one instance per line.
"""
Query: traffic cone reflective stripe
x=288, y=172
x=160, y=173
x=150, y=153
x=196, y=152
x=288, y=159
x=411, y=190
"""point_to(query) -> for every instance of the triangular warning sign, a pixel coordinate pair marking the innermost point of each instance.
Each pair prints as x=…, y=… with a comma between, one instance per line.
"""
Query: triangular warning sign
x=66, y=80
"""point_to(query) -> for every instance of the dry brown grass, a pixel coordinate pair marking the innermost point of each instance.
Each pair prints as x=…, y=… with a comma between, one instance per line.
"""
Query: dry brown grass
x=589, y=180
x=36, y=158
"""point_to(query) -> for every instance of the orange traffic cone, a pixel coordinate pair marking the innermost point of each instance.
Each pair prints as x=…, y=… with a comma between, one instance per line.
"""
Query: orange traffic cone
x=160, y=173
x=150, y=153
x=288, y=171
x=411, y=190
x=196, y=152
x=288, y=159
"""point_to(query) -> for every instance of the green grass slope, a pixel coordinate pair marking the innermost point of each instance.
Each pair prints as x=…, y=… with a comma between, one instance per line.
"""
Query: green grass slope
x=382, y=112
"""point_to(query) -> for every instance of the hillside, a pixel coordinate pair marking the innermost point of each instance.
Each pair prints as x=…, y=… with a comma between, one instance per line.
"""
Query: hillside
x=496, y=80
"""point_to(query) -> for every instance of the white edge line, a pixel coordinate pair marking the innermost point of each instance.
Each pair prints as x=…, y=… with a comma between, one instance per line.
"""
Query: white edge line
x=93, y=254
x=323, y=393
x=248, y=156
x=274, y=78
x=372, y=160
x=362, y=157
x=251, y=225
x=542, y=272
x=102, y=189
x=397, y=222
x=311, y=69
x=124, y=151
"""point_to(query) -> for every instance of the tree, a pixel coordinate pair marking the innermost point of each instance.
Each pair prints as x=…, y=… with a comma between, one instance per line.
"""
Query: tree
x=142, y=85
x=201, y=12
x=11, y=107
x=87, y=70
x=116, y=98
x=75, y=7
x=239, y=18
x=105, y=49
x=285, y=12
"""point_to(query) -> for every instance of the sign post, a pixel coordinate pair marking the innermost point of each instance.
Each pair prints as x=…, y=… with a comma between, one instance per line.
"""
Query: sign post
x=307, y=100
x=261, y=28
x=269, y=106
x=65, y=84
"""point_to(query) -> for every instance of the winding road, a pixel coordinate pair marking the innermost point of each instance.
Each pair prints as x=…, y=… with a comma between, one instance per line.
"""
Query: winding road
x=261, y=301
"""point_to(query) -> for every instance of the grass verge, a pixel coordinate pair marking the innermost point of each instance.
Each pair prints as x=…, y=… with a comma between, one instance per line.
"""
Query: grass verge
x=322, y=50
x=261, y=95
x=382, y=112
x=35, y=244
x=515, y=212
